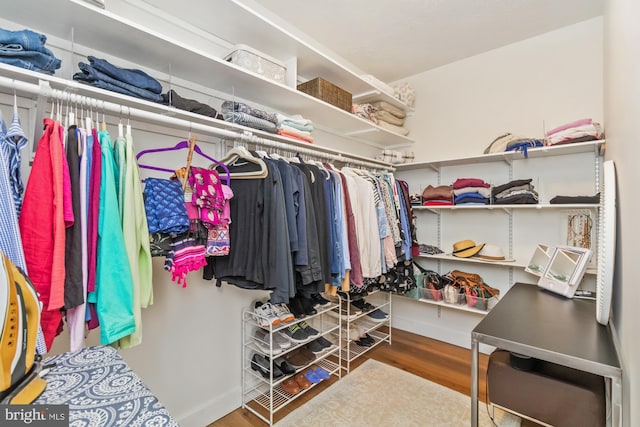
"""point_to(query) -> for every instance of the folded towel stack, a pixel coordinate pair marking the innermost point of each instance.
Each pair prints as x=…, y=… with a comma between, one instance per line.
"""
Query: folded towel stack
x=578, y=131
x=383, y=114
x=25, y=49
x=100, y=73
x=396, y=157
x=511, y=142
x=295, y=126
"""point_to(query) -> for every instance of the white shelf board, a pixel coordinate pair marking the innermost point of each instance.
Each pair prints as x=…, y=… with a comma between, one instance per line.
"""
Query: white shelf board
x=508, y=156
x=508, y=207
x=460, y=307
x=378, y=95
x=253, y=27
x=449, y=257
x=518, y=263
x=106, y=32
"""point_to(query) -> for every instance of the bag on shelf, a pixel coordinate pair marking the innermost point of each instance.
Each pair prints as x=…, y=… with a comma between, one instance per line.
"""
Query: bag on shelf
x=477, y=293
x=400, y=279
x=430, y=282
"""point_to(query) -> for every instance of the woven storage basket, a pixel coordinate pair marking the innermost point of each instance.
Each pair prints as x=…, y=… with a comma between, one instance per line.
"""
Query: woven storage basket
x=328, y=92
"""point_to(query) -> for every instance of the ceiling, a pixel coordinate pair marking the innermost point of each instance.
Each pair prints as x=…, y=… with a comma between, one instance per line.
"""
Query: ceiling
x=393, y=39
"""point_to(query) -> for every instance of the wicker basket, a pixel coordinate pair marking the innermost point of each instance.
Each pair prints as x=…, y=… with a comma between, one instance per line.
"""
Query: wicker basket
x=328, y=92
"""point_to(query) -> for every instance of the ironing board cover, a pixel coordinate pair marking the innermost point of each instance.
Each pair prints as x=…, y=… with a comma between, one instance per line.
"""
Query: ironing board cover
x=101, y=390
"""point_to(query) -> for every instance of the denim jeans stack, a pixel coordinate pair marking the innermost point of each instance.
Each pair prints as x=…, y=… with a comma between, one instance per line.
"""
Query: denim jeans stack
x=100, y=73
x=25, y=49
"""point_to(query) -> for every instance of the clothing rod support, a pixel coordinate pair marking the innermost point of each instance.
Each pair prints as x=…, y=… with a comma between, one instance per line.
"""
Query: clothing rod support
x=117, y=109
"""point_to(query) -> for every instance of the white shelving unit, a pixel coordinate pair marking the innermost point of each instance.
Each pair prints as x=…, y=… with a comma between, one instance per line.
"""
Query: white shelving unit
x=104, y=31
x=379, y=331
x=517, y=229
x=265, y=396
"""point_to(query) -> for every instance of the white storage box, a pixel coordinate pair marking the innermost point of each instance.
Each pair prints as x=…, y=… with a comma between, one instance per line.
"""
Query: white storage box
x=258, y=62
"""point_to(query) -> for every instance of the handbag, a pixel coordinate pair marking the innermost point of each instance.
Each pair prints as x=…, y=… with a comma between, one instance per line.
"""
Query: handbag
x=431, y=282
x=473, y=287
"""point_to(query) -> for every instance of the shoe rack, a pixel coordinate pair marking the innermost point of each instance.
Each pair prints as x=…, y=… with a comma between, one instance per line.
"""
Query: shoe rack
x=354, y=323
x=262, y=392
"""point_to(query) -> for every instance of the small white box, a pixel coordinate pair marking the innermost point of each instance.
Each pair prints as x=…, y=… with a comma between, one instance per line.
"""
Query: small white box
x=257, y=62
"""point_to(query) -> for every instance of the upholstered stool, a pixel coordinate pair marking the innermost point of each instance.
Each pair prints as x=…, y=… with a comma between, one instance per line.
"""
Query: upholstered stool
x=549, y=393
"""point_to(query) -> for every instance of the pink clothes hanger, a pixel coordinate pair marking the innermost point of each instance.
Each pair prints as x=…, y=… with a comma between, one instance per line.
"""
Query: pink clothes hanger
x=180, y=146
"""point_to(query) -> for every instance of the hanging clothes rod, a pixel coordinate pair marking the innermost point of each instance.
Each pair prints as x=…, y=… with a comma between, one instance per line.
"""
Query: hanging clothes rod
x=44, y=89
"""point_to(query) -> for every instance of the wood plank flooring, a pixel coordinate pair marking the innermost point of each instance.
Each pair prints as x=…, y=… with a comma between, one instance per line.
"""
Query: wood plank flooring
x=436, y=361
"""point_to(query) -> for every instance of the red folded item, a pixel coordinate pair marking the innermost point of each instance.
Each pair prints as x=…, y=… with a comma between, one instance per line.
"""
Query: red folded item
x=469, y=182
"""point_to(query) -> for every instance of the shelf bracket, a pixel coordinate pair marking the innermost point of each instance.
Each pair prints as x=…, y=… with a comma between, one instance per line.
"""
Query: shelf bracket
x=435, y=168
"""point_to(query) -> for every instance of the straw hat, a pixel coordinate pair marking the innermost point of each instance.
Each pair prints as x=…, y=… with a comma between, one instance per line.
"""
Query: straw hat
x=466, y=248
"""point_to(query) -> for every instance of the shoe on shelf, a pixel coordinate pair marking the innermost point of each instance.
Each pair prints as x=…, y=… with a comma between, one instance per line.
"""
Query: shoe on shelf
x=363, y=305
x=261, y=364
x=300, y=357
x=321, y=372
x=311, y=332
x=283, y=312
x=307, y=305
x=377, y=315
x=296, y=307
x=302, y=381
x=290, y=386
x=265, y=314
x=261, y=340
x=312, y=376
x=296, y=334
x=343, y=314
x=363, y=342
x=353, y=309
x=284, y=366
x=325, y=343
x=368, y=338
x=354, y=334
x=315, y=347
x=318, y=299
x=282, y=340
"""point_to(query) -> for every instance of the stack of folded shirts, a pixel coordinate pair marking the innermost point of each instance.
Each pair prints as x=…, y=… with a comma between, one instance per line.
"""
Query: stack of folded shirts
x=25, y=49
x=519, y=191
x=390, y=117
x=578, y=131
x=102, y=74
x=243, y=114
x=296, y=127
x=469, y=191
x=441, y=195
x=173, y=99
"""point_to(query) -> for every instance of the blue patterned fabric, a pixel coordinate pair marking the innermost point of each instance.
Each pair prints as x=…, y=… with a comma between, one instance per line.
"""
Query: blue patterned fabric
x=12, y=142
x=101, y=390
x=164, y=206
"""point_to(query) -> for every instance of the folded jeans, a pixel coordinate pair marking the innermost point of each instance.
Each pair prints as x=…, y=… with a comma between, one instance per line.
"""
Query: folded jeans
x=91, y=75
x=134, y=77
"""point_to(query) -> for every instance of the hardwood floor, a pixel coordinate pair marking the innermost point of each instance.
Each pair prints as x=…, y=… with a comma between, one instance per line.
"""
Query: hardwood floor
x=436, y=361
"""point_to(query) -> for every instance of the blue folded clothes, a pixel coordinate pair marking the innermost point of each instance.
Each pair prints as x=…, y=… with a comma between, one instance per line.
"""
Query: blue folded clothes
x=137, y=78
x=471, y=198
x=93, y=76
x=25, y=49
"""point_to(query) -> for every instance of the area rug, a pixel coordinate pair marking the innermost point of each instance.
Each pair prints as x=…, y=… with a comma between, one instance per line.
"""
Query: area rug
x=376, y=394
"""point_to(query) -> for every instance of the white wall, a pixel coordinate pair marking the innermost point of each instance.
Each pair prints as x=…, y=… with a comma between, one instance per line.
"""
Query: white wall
x=461, y=107
x=553, y=78
x=622, y=109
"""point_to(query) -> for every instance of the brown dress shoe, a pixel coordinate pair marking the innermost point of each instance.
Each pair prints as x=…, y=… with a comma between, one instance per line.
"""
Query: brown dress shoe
x=290, y=386
x=302, y=381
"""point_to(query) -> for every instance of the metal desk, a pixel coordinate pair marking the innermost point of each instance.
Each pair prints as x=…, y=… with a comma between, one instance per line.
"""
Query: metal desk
x=536, y=323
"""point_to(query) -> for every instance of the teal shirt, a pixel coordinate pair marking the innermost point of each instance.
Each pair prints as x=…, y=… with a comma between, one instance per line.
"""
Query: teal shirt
x=114, y=286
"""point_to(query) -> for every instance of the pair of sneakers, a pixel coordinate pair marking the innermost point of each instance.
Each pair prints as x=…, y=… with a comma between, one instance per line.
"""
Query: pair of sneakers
x=277, y=345
x=268, y=314
x=300, y=332
x=315, y=374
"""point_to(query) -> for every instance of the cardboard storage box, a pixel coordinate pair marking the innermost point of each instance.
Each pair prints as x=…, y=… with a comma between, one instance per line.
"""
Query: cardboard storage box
x=328, y=92
x=258, y=62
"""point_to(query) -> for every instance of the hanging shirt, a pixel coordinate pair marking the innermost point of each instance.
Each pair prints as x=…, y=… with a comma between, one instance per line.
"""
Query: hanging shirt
x=114, y=287
x=73, y=290
x=136, y=234
x=76, y=315
x=12, y=142
x=10, y=240
x=43, y=228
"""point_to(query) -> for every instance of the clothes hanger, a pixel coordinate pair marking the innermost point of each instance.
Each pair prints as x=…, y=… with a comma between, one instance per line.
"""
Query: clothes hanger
x=241, y=153
x=180, y=146
x=120, y=127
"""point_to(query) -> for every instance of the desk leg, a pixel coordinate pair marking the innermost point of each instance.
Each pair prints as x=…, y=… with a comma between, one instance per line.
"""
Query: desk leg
x=474, y=382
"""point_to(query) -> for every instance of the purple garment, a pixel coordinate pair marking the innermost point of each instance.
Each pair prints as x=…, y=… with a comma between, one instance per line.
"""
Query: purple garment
x=92, y=220
x=355, y=277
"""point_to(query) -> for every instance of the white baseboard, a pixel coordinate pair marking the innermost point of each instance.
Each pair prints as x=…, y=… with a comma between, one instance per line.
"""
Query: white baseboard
x=211, y=410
